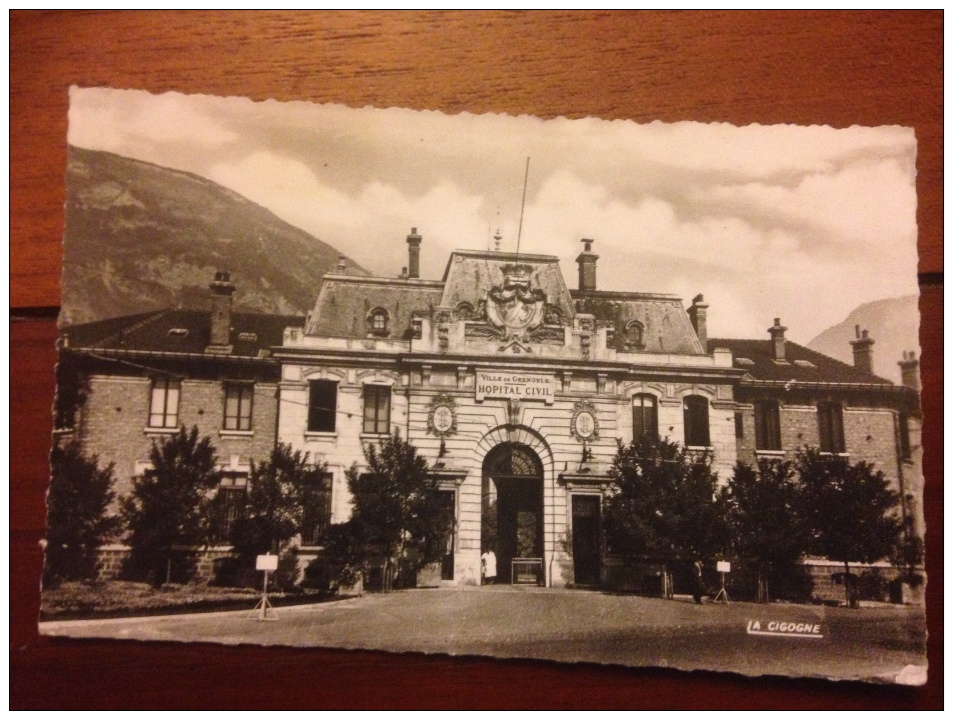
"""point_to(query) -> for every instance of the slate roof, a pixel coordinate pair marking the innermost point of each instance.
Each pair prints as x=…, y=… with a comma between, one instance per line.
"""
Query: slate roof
x=765, y=368
x=179, y=331
x=665, y=323
x=471, y=274
x=345, y=301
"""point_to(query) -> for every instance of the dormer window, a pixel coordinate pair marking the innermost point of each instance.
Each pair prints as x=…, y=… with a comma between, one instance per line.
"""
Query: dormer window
x=378, y=321
x=633, y=336
x=178, y=332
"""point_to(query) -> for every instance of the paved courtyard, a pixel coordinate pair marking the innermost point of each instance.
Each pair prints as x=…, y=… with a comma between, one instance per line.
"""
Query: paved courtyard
x=884, y=643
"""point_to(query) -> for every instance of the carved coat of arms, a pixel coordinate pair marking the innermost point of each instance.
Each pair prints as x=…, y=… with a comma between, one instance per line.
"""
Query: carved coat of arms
x=515, y=307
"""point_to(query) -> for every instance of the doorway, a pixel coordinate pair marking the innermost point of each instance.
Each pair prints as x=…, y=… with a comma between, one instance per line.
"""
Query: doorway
x=512, y=512
x=586, y=527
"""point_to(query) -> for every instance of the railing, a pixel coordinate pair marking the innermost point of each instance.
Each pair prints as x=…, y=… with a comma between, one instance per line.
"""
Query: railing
x=526, y=571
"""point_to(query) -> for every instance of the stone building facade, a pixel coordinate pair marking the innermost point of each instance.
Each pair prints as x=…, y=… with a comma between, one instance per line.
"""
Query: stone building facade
x=515, y=388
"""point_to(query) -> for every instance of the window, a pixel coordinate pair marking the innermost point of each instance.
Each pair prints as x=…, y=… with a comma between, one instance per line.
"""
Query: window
x=767, y=425
x=633, y=335
x=905, y=450
x=164, y=406
x=739, y=425
x=377, y=321
x=644, y=417
x=696, y=421
x=238, y=401
x=377, y=409
x=317, y=508
x=228, y=505
x=830, y=425
x=322, y=405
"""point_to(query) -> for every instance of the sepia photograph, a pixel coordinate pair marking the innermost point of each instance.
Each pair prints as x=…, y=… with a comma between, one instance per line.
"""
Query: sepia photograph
x=570, y=390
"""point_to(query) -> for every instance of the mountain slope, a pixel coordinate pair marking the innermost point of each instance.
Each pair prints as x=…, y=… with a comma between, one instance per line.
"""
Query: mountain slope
x=894, y=324
x=141, y=237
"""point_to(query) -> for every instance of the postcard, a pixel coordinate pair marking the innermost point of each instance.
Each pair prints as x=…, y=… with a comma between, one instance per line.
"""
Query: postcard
x=574, y=390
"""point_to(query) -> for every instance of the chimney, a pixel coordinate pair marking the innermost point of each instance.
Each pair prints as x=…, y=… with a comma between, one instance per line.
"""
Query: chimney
x=863, y=351
x=222, y=289
x=413, y=242
x=910, y=370
x=698, y=314
x=777, y=339
x=342, y=264
x=587, y=267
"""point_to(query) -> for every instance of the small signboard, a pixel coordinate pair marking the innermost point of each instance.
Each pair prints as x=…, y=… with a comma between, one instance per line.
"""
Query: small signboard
x=267, y=562
x=723, y=566
x=518, y=386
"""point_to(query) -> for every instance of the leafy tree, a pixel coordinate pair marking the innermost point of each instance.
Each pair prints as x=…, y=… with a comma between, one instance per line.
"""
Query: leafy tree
x=79, y=497
x=72, y=390
x=766, y=519
x=170, y=503
x=280, y=492
x=661, y=504
x=398, y=514
x=852, y=511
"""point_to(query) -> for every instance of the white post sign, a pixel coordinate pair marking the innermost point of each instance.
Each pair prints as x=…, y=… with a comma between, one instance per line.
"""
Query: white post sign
x=267, y=562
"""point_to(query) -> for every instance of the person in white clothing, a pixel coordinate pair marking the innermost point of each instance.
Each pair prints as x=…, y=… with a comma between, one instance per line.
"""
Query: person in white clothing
x=488, y=565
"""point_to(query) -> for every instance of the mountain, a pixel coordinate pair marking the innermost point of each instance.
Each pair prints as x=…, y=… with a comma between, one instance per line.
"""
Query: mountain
x=894, y=324
x=141, y=237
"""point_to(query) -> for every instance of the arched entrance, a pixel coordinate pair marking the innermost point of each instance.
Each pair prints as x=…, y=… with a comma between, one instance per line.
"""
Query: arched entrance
x=512, y=512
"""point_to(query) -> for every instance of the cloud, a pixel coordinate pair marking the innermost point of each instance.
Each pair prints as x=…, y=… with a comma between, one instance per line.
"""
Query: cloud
x=798, y=222
x=109, y=119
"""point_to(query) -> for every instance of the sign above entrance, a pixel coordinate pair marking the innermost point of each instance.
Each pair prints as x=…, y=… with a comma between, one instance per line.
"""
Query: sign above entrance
x=516, y=386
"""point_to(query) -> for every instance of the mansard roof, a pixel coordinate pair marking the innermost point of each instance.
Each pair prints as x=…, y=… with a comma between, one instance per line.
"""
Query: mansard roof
x=471, y=274
x=665, y=324
x=345, y=303
x=179, y=331
x=343, y=307
x=801, y=364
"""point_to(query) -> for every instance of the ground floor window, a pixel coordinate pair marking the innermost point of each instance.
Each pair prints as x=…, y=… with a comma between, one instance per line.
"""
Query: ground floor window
x=228, y=505
x=644, y=417
x=696, y=421
x=830, y=424
x=377, y=409
x=317, y=508
x=767, y=422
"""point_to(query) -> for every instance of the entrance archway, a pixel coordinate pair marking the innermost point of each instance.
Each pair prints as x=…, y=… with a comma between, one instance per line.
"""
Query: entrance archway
x=512, y=512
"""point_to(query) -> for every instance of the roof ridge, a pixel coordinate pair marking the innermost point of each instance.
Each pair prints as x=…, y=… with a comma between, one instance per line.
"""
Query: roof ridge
x=134, y=327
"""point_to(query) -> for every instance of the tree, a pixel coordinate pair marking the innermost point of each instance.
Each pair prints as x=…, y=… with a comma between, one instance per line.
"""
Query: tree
x=398, y=515
x=169, y=506
x=765, y=519
x=852, y=511
x=72, y=390
x=281, y=490
x=80, y=495
x=661, y=505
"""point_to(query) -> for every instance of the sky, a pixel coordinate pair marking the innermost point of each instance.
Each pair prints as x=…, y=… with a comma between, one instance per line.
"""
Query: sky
x=801, y=223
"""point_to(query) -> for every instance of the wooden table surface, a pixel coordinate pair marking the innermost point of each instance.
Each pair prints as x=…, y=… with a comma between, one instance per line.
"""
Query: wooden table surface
x=739, y=67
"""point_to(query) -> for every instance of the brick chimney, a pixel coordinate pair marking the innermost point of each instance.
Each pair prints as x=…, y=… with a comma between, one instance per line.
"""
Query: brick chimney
x=222, y=290
x=698, y=314
x=910, y=370
x=342, y=264
x=587, y=267
x=777, y=339
x=413, y=247
x=863, y=351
